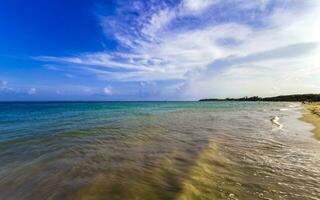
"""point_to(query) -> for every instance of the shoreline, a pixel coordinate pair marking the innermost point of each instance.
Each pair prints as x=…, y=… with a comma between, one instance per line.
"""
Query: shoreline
x=311, y=114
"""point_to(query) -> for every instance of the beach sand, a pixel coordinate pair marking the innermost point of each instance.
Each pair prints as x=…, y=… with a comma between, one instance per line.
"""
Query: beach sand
x=312, y=115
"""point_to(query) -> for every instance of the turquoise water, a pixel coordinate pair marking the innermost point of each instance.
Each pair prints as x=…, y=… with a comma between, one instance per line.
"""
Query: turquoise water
x=156, y=150
x=20, y=120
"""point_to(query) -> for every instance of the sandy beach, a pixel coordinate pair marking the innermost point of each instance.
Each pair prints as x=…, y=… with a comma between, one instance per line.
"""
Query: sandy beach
x=312, y=115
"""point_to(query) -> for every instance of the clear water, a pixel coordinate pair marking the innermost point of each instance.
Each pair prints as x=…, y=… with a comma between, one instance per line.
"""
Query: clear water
x=156, y=150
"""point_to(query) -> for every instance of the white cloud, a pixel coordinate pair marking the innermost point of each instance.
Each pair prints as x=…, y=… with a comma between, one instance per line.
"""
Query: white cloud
x=198, y=5
x=216, y=59
x=108, y=90
x=158, y=21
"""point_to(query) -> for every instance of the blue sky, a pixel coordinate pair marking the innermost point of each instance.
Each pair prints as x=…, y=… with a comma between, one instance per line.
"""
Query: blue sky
x=157, y=49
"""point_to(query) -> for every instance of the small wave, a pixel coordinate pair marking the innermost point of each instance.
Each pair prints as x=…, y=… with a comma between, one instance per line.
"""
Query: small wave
x=275, y=121
x=295, y=105
x=292, y=106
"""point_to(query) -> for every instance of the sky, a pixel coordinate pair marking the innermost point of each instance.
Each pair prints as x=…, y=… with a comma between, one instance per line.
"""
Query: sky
x=132, y=50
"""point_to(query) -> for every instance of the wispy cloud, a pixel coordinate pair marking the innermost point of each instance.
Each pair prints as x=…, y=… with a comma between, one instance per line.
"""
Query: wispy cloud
x=212, y=47
x=8, y=89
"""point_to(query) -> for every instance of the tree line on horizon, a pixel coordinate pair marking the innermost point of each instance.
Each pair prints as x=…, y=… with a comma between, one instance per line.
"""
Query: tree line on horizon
x=294, y=97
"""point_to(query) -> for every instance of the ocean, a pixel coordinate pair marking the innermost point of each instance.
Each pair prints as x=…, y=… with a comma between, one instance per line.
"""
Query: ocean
x=157, y=150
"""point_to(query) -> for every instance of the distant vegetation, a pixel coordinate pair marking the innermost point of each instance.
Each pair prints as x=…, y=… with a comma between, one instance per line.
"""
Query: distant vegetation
x=295, y=97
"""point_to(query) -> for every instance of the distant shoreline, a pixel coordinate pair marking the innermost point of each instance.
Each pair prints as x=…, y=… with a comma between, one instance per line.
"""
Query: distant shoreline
x=283, y=98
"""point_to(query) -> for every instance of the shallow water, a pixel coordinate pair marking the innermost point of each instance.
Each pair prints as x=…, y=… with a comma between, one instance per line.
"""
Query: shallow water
x=157, y=150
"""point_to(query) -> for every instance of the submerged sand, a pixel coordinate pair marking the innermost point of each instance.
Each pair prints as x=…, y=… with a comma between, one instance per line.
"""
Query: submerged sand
x=312, y=115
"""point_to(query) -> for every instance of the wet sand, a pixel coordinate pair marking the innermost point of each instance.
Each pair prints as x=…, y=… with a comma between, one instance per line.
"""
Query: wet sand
x=312, y=115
